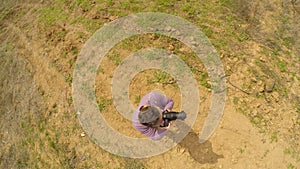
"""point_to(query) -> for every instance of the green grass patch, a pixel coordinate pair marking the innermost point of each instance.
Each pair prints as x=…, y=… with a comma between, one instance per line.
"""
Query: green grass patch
x=158, y=76
x=52, y=14
x=137, y=99
x=92, y=25
x=282, y=66
x=104, y=103
x=203, y=80
x=235, y=100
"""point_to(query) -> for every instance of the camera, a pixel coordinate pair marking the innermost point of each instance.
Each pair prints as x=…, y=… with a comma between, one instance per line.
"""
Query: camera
x=170, y=116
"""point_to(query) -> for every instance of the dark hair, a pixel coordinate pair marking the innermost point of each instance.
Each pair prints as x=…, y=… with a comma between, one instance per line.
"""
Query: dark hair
x=149, y=115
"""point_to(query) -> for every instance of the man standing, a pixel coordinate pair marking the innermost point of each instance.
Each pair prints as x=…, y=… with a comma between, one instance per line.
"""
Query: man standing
x=147, y=118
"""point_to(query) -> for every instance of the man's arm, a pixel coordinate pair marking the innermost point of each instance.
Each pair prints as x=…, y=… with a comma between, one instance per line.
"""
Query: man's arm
x=152, y=133
x=161, y=101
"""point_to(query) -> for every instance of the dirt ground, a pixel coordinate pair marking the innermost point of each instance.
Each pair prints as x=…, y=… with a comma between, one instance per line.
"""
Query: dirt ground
x=258, y=42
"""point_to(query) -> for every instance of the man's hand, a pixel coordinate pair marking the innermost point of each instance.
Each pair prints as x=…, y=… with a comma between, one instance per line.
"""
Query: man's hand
x=168, y=127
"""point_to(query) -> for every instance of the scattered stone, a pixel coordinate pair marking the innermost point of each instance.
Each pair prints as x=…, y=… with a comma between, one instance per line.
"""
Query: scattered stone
x=82, y=134
x=177, y=33
x=234, y=161
x=181, y=150
x=269, y=85
x=111, y=18
x=184, y=49
x=235, y=59
x=253, y=79
x=168, y=29
x=262, y=59
x=258, y=105
x=171, y=47
x=254, y=113
x=194, y=43
x=260, y=86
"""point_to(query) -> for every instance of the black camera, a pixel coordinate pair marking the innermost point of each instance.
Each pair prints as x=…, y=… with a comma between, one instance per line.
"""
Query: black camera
x=170, y=116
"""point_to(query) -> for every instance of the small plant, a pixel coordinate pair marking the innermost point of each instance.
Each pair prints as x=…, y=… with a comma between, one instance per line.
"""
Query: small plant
x=161, y=76
x=54, y=105
x=257, y=120
x=52, y=14
x=69, y=100
x=290, y=166
x=115, y=58
x=69, y=79
x=282, y=66
x=287, y=151
x=203, y=80
x=241, y=37
x=74, y=51
x=137, y=99
x=235, y=100
x=103, y=103
x=274, y=137
x=134, y=164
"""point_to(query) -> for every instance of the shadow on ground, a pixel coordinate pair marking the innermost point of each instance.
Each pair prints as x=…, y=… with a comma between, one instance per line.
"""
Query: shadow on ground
x=200, y=152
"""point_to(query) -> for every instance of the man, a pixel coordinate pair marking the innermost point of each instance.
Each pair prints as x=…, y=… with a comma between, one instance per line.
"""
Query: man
x=147, y=118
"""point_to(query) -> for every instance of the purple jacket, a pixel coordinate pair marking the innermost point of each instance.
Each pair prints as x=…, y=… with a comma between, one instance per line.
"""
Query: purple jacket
x=152, y=99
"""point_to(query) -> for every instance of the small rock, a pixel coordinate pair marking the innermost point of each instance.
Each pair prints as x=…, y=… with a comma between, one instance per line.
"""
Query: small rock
x=177, y=33
x=258, y=105
x=171, y=47
x=228, y=68
x=222, y=55
x=184, y=49
x=168, y=28
x=181, y=150
x=260, y=86
x=262, y=59
x=253, y=79
x=82, y=134
x=111, y=18
x=254, y=113
x=194, y=43
x=269, y=85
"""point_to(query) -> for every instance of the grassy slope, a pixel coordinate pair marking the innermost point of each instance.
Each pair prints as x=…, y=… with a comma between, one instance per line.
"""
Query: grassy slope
x=231, y=30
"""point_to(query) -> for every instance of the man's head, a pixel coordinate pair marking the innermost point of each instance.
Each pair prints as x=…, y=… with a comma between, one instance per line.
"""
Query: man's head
x=149, y=115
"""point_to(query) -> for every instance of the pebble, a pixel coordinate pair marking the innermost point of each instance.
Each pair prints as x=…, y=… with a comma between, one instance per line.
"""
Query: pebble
x=254, y=113
x=82, y=134
x=253, y=79
x=260, y=86
x=269, y=85
x=168, y=28
x=262, y=59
